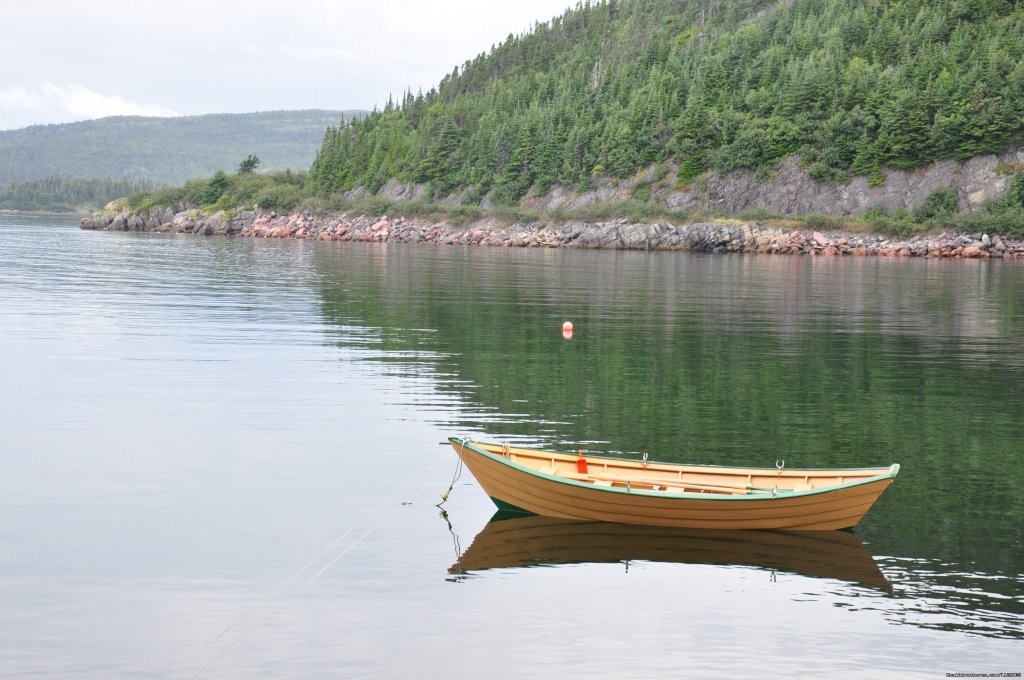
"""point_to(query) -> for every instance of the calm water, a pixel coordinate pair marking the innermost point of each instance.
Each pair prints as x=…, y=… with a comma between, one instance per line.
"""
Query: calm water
x=219, y=459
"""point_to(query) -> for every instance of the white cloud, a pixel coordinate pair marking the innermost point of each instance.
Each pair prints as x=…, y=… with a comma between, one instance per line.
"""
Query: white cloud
x=50, y=103
x=315, y=53
x=195, y=56
x=383, y=65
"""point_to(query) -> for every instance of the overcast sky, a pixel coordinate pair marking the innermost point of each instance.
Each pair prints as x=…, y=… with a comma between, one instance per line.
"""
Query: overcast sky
x=67, y=60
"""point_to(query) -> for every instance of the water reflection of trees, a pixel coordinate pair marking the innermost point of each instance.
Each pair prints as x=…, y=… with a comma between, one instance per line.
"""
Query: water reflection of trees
x=723, y=359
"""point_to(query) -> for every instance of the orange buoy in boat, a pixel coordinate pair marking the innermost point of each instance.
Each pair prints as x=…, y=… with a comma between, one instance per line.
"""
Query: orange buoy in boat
x=567, y=330
x=581, y=462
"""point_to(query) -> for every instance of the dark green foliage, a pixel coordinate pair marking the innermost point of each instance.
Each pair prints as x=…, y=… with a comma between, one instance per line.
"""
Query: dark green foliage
x=61, y=194
x=823, y=172
x=642, y=192
x=276, y=191
x=940, y=203
x=215, y=188
x=823, y=222
x=900, y=223
x=164, y=197
x=876, y=177
x=163, y=150
x=690, y=168
x=1013, y=197
x=1006, y=221
x=282, y=197
x=613, y=87
x=193, y=192
x=759, y=215
x=249, y=165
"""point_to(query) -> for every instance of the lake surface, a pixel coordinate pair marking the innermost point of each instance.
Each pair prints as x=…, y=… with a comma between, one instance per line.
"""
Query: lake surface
x=219, y=458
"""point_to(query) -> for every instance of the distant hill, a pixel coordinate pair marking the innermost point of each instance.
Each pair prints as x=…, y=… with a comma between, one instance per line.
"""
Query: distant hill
x=164, y=150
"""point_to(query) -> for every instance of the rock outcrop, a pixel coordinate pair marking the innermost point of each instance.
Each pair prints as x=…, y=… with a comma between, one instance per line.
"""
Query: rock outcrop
x=729, y=236
x=789, y=190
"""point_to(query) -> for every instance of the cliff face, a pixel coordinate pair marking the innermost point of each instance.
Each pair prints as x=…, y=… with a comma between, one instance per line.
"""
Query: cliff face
x=786, y=190
x=790, y=191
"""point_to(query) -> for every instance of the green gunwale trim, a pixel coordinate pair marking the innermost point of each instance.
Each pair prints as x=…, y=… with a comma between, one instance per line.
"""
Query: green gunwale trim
x=889, y=472
x=459, y=440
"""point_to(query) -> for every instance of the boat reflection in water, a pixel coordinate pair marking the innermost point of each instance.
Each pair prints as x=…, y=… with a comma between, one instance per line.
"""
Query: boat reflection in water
x=515, y=540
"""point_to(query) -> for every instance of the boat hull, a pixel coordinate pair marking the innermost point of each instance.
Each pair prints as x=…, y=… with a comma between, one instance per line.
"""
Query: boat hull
x=514, y=486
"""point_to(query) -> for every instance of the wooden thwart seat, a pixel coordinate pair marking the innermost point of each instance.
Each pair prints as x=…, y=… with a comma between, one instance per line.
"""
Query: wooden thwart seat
x=666, y=485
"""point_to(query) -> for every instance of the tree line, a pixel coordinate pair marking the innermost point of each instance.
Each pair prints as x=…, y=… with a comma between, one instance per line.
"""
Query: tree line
x=63, y=194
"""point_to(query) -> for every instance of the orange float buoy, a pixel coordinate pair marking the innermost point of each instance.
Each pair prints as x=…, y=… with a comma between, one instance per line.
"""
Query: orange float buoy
x=581, y=462
x=567, y=330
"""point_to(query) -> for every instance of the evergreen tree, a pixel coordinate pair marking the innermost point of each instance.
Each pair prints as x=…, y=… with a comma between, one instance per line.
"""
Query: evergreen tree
x=249, y=165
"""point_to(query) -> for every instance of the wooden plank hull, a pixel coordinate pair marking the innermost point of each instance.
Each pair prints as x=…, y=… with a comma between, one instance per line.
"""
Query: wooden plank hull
x=510, y=541
x=522, y=479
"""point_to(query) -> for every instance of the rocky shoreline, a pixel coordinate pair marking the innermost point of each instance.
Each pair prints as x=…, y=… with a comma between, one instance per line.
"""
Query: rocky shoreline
x=720, y=236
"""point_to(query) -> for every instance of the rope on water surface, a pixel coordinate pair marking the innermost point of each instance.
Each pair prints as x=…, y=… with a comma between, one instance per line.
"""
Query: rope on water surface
x=415, y=485
x=314, y=577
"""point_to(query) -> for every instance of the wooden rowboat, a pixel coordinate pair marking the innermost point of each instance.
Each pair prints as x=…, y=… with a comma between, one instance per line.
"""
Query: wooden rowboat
x=521, y=541
x=661, y=494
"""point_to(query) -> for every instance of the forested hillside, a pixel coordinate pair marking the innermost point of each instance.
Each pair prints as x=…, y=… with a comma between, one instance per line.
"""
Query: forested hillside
x=163, y=150
x=613, y=87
